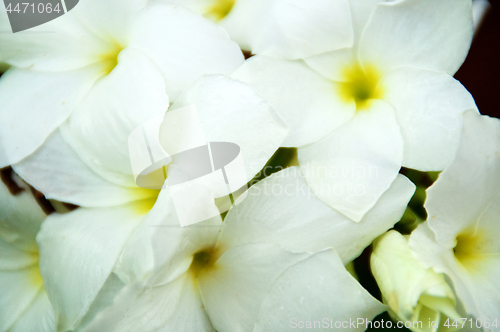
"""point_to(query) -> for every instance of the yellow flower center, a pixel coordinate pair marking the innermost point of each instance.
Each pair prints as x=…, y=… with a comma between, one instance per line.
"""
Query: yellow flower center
x=360, y=85
x=469, y=249
x=34, y=273
x=220, y=9
x=203, y=261
x=110, y=59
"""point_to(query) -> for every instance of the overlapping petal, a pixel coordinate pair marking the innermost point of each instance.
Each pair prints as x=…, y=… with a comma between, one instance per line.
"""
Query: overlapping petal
x=307, y=102
x=428, y=107
x=352, y=167
x=130, y=95
x=34, y=104
x=231, y=111
x=38, y=317
x=56, y=46
x=314, y=289
x=469, y=187
x=427, y=34
x=235, y=286
x=291, y=29
x=190, y=46
x=57, y=171
x=175, y=306
x=273, y=212
x=459, y=237
x=20, y=220
x=77, y=253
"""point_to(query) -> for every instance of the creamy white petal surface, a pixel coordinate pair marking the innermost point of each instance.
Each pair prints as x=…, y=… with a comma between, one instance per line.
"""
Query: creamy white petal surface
x=20, y=218
x=66, y=44
x=273, y=212
x=352, y=167
x=34, y=104
x=470, y=182
x=428, y=34
x=293, y=29
x=23, y=302
x=286, y=29
x=231, y=111
x=428, y=107
x=460, y=236
x=183, y=46
x=176, y=306
x=56, y=170
x=307, y=102
x=332, y=65
x=130, y=95
x=39, y=317
x=225, y=283
x=235, y=286
x=316, y=288
x=77, y=253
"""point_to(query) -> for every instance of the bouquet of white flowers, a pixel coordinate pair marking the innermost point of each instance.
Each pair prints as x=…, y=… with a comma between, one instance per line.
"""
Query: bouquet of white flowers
x=244, y=165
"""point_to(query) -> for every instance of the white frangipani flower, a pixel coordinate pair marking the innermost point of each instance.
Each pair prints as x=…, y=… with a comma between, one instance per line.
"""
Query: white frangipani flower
x=287, y=29
x=359, y=113
x=460, y=236
x=229, y=111
x=24, y=305
x=413, y=293
x=268, y=262
x=102, y=55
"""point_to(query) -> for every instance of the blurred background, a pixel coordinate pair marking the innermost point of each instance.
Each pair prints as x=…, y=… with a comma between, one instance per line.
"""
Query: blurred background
x=480, y=73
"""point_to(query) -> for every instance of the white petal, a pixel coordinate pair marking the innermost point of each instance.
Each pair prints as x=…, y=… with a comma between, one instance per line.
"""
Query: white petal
x=34, y=104
x=274, y=212
x=20, y=218
x=38, y=318
x=183, y=45
x=331, y=65
x=469, y=186
x=231, y=111
x=104, y=299
x=175, y=306
x=308, y=103
x=463, y=207
x=107, y=20
x=18, y=290
x=12, y=258
x=428, y=107
x=77, y=253
x=290, y=29
x=56, y=46
x=426, y=34
x=57, y=171
x=234, y=287
x=361, y=11
x=352, y=167
x=198, y=6
x=160, y=248
x=317, y=288
x=130, y=95
x=478, y=293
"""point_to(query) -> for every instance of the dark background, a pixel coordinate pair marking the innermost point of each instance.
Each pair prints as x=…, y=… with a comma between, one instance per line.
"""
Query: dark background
x=480, y=73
